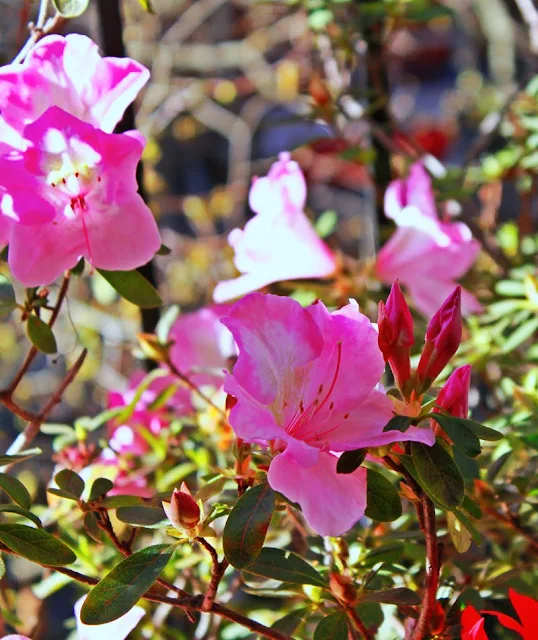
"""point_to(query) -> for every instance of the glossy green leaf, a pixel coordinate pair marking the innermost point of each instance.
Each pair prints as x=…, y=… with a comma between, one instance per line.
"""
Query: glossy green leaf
x=100, y=487
x=438, y=474
x=398, y=423
x=40, y=335
x=7, y=297
x=119, y=591
x=113, y=502
x=132, y=286
x=459, y=534
x=92, y=528
x=350, y=461
x=289, y=623
x=480, y=431
x=6, y=459
x=461, y=435
x=399, y=595
x=334, y=627
x=70, y=482
x=11, y=508
x=286, y=567
x=382, y=499
x=71, y=8
x=142, y=516
x=247, y=524
x=15, y=490
x=62, y=494
x=36, y=545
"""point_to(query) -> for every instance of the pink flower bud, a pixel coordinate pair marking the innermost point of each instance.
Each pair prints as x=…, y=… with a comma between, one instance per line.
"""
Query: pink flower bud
x=396, y=334
x=183, y=512
x=443, y=338
x=454, y=396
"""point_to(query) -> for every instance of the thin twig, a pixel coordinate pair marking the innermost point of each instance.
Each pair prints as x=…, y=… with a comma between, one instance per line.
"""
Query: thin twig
x=217, y=573
x=41, y=28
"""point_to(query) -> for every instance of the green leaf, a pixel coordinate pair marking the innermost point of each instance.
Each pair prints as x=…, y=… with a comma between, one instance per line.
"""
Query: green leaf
x=92, y=528
x=7, y=297
x=100, y=487
x=520, y=335
x=147, y=5
x=211, y=488
x=10, y=508
x=62, y=494
x=132, y=286
x=384, y=553
x=70, y=482
x=460, y=434
x=286, y=567
x=113, y=502
x=247, y=524
x=141, y=516
x=480, y=431
x=71, y=8
x=36, y=545
x=119, y=591
x=382, y=499
x=163, y=250
x=6, y=459
x=2, y=568
x=459, y=535
x=398, y=423
x=438, y=474
x=40, y=335
x=326, y=223
x=399, y=595
x=334, y=627
x=15, y=490
x=350, y=461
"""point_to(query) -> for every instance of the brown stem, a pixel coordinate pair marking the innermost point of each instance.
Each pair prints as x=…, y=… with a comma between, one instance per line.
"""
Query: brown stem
x=358, y=623
x=217, y=573
x=184, y=378
x=433, y=568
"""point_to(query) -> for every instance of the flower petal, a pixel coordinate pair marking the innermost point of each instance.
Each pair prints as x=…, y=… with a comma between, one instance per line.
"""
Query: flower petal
x=332, y=503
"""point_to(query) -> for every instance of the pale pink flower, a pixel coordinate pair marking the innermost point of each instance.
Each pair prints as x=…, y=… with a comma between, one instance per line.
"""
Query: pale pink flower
x=425, y=253
x=306, y=382
x=68, y=72
x=182, y=510
x=15, y=636
x=117, y=630
x=73, y=192
x=202, y=345
x=279, y=243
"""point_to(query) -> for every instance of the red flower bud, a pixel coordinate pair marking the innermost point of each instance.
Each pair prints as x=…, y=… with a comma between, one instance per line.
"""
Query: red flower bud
x=454, y=396
x=443, y=338
x=183, y=512
x=396, y=334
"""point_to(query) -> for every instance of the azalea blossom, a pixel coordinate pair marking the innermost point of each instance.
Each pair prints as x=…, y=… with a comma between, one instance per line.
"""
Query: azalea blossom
x=73, y=193
x=279, y=243
x=425, y=253
x=306, y=383
x=67, y=72
x=117, y=629
x=526, y=609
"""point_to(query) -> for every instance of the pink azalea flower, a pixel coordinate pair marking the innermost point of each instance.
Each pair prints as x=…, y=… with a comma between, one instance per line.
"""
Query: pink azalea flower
x=15, y=636
x=126, y=438
x=68, y=72
x=118, y=629
x=202, y=345
x=279, y=243
x=306, y=382
x=73, y=192
x=426, y=254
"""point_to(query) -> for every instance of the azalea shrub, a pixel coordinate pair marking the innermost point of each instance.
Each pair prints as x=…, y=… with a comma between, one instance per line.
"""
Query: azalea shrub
x=329, y=447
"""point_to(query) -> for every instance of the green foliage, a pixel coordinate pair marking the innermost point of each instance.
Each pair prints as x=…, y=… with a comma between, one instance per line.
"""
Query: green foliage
x=119, y=591
x=247, y=524
x=7, y=459
x=438, y=474
x=132, y=286
x=350, y=461
x=15, y=490
x=40, y=335
x=70, y=482
x=36, y=545
x=383, y=501
x=334, y=627
x=71, y=8
x=284, y=566
x=142, y=516
x=8, y=301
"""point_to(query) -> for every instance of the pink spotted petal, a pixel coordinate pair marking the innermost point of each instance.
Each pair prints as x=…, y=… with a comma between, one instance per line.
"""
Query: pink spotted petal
x=332, y=503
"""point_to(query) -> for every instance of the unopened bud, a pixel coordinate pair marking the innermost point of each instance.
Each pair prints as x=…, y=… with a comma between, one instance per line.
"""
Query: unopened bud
x=454, y=396
x=182, y=511
x=342, y=588
x=396, y=334
x=443, y=338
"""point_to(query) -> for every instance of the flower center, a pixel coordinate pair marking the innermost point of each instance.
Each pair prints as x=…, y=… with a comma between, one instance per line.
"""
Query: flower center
x=300, y=426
